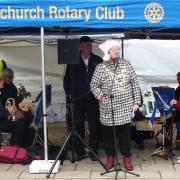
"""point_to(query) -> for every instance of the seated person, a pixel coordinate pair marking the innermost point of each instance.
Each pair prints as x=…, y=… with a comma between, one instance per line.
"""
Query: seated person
x=176, y=105
x=6, y=123
x=135, y=134
x=10, y=91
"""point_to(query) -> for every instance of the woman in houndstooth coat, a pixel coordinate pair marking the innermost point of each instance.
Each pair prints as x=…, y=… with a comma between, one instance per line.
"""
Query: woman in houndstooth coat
x=118, y=78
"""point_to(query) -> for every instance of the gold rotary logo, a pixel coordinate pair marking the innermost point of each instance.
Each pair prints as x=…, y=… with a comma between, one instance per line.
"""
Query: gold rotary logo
x=154, y=12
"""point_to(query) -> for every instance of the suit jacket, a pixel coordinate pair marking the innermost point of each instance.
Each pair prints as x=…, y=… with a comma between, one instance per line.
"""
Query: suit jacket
x=78, y=77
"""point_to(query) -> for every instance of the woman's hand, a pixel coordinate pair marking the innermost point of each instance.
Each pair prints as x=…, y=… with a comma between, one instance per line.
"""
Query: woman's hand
x=103, y=97
x=135, y=107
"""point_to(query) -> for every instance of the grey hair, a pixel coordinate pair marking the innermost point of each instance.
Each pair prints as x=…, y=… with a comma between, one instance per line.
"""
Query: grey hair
x=7, y=71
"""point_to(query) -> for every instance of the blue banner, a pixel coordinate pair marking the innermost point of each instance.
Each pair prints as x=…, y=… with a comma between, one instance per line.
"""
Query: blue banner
x=90, y=13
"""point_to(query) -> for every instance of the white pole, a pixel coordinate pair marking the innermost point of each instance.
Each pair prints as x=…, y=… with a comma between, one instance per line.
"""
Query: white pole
x=44, y=95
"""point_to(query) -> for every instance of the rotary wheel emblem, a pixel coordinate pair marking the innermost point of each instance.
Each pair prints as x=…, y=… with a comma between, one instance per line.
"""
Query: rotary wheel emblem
x=154, y=12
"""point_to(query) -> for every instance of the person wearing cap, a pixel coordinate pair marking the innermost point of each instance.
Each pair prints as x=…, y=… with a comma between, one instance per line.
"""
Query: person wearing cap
x=117, y=77
x=77, y=86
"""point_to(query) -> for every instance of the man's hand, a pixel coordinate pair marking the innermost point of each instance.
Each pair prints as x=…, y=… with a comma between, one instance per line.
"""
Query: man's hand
x=19, y=114
x=12, y=110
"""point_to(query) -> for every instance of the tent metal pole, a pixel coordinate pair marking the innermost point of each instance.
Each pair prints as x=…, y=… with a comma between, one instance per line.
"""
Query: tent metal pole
x=44, y=95
x=122, y=49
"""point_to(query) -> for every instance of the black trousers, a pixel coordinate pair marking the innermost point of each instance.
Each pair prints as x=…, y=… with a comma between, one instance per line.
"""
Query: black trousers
x=14, y=127
x=29, y=132
x=22, y=134
x=86, y=110
x=123, y=136
x=136, y=135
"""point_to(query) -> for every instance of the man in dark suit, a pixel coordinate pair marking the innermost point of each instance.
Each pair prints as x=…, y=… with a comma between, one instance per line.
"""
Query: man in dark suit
x=77, y=86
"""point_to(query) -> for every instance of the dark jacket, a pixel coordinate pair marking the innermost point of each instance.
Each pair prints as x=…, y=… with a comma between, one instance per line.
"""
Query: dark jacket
x=9, y=91
x=177, y=106
x=78, y=77
x=3, y=111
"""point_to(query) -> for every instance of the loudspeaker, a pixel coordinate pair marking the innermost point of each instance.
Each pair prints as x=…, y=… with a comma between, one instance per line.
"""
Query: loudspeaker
x=68, y=51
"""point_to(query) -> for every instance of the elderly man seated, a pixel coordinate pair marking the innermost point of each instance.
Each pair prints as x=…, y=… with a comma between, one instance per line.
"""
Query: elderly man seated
x=9, y=94
x=6, y=123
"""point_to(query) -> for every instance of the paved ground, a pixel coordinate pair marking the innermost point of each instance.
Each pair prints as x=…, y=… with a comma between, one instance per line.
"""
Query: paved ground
x=154, y=168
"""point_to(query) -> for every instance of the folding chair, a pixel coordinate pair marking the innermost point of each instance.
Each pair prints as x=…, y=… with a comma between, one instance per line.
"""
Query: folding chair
x=36, y=123
x=38, y=115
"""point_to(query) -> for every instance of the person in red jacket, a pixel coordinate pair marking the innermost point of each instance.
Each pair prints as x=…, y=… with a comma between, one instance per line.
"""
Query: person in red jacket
x=176, y=104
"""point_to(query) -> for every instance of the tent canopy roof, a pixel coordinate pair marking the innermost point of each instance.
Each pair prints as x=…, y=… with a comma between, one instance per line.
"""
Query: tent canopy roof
x=139, y=33
x=135, y=18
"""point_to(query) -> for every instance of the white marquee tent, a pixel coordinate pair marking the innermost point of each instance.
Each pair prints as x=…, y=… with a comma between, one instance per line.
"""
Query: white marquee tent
x=156, y=63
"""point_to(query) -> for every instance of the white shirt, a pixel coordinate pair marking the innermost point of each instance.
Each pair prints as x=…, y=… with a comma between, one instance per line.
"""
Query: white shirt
x=86, y=62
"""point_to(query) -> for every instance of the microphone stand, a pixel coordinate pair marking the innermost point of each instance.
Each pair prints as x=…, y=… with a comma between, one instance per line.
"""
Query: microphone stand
x=117, y=166
x=71, y=136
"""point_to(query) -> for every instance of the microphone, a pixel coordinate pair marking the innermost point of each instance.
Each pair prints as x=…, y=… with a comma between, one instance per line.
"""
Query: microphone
x=117, y=62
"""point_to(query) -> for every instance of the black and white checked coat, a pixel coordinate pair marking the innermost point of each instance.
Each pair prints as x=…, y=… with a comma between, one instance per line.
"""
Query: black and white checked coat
x=125, y=89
